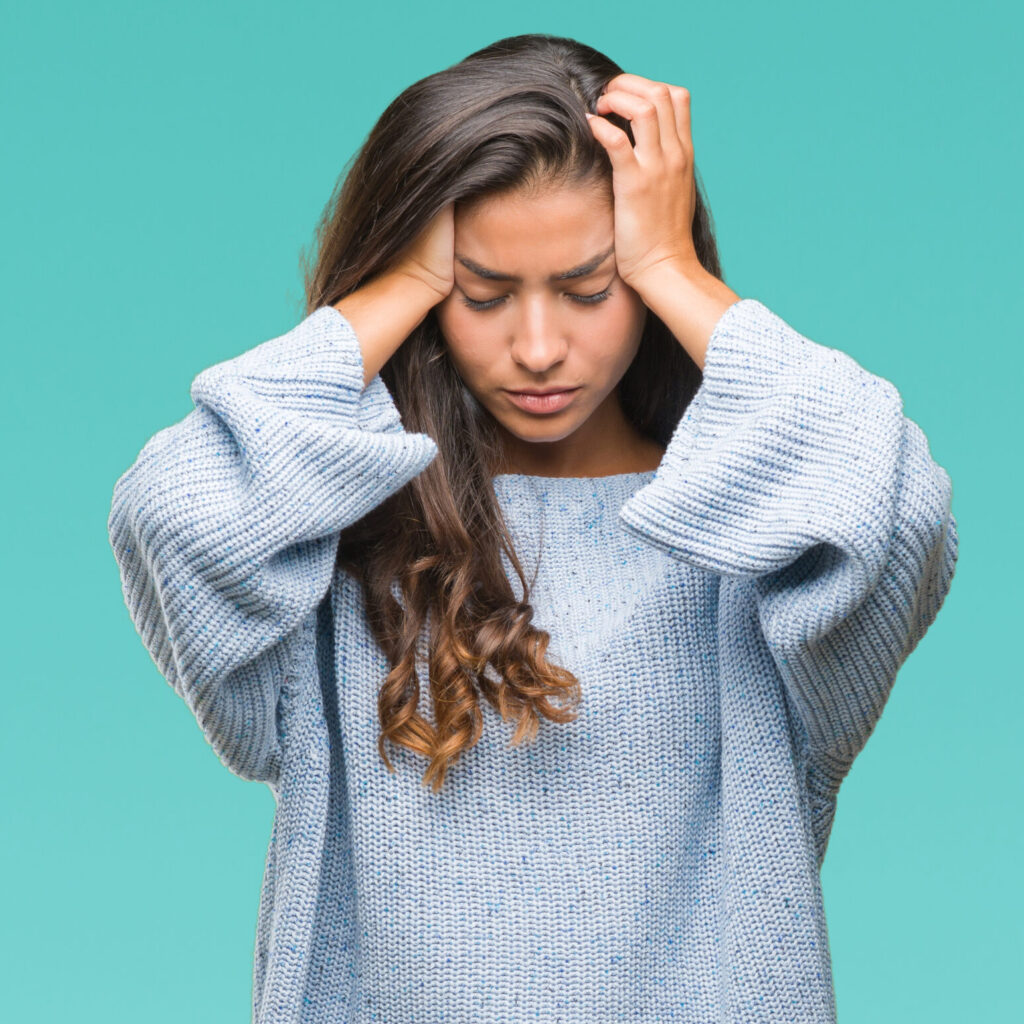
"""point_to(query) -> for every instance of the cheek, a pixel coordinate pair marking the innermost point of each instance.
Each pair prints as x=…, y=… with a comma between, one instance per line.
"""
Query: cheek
x=633, y=313
x=465, y=341
x=623, y=329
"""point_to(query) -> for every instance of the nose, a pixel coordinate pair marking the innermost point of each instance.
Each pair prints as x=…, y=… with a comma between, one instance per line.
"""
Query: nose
x=538, y=342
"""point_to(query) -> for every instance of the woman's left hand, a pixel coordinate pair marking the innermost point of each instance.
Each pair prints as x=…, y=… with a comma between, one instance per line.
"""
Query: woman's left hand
x=653, y=184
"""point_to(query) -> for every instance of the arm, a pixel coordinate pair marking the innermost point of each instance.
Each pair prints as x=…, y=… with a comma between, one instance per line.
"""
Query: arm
x=794, y=469
x=225, y=527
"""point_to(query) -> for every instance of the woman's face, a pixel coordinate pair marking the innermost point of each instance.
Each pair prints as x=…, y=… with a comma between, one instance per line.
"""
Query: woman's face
x=516, y=320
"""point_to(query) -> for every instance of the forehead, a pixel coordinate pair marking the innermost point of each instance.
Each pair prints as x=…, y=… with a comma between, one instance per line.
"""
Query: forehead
x=533, y=235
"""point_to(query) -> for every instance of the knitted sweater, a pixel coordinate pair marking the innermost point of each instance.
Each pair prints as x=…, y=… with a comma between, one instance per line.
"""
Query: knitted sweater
x=736, y=618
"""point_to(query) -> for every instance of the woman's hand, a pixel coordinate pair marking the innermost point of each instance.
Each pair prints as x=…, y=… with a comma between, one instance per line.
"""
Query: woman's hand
x=430, y=258
x=655, y=199
x=653, y=184
x=386, y=309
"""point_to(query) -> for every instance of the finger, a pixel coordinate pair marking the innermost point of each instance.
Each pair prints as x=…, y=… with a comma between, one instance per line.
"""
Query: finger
x=617, y=145
x=660, y=94
x=643, y=117
x=681, y=107
x=665, y=96
x=680, y=100
x=630, y=83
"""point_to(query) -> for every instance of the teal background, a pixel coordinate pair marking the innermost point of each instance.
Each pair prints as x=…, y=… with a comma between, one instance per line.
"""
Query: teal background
x=163, y=172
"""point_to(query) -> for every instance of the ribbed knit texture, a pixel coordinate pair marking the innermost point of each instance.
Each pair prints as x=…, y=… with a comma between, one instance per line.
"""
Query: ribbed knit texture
x=736, y=618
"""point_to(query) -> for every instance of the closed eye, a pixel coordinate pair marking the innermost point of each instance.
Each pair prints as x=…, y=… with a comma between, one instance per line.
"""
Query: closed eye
x=583, y=300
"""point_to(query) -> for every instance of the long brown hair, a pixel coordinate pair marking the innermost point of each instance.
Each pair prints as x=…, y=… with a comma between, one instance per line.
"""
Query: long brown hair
x=508, y=116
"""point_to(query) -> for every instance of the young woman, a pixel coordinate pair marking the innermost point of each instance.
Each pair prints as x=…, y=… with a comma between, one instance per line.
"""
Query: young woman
x=552, y=587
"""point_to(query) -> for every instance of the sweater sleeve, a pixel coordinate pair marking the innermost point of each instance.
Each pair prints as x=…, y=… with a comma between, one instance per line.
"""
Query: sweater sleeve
x=225, y=527
x=794, y=470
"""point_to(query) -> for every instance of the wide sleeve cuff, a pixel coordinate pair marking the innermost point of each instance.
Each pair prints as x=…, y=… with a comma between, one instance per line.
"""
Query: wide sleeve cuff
x=226, y=526
x=794, y=470
x=785, y=445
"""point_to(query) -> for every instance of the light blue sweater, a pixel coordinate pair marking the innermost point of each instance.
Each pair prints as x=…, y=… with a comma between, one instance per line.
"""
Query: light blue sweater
x=736, y=619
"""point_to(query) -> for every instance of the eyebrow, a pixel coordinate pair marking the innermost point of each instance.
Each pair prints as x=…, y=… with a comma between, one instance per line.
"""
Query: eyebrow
x=495, y=275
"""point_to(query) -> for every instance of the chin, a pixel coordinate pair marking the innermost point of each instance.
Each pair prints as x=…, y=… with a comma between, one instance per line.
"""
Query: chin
x=538, y=432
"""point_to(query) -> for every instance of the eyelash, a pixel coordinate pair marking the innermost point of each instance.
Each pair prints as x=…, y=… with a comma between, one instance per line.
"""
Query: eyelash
x=583, y=300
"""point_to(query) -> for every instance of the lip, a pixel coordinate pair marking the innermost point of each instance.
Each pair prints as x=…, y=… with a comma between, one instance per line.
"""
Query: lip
x=542, y=401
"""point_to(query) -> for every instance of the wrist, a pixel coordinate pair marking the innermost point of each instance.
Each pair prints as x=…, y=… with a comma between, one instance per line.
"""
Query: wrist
x=667, y=272
x=382, y=313
x=429, y=288
x=688, y=299
x=406, y=292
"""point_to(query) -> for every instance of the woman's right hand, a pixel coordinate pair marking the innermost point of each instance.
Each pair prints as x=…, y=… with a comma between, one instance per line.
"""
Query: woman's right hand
x=430, y=258
x=387, y=308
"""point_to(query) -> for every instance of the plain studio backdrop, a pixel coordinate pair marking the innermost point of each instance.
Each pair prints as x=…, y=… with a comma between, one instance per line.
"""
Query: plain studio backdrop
x=164, y=168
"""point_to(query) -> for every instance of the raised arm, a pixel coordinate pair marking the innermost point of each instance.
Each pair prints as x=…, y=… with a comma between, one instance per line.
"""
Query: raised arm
x=225, y=527
x=795, y=470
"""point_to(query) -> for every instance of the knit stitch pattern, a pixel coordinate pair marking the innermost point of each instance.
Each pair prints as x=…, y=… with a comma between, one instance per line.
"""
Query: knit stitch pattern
x=736, y=617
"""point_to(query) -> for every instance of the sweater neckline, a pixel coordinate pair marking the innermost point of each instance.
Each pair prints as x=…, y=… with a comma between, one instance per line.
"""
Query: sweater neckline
x=574, y=497
x=570, y=481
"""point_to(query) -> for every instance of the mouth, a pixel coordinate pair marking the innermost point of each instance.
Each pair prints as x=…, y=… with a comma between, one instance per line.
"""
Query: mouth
x=542, y=401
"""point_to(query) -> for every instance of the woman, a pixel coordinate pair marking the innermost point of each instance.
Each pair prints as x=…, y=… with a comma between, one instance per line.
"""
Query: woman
x=701, y=559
